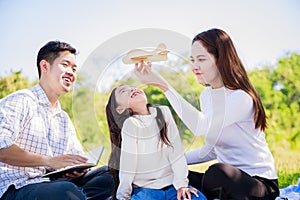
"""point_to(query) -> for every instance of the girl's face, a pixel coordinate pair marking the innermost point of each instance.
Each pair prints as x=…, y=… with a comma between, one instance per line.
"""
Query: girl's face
x=204, y=66
x=130, y=97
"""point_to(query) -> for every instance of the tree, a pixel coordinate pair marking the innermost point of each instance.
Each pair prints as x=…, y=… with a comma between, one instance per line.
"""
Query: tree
x=278, y=87
x=13, y=83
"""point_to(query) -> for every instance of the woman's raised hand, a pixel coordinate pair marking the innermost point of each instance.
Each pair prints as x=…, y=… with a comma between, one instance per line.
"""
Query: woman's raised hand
x=147, y=76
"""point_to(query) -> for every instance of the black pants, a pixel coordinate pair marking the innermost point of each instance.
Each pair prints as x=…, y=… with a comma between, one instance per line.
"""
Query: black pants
x=224, y=181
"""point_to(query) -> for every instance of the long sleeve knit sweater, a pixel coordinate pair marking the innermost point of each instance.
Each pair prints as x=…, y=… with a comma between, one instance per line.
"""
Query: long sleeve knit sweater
x=235, y=139
x=144, y=160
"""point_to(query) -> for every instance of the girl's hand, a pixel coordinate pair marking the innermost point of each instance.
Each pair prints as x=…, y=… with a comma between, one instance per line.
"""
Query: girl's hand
x=186, y=193
x=147, y=76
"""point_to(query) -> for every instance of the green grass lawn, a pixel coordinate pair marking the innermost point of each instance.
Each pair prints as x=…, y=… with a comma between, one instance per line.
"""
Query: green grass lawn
x=287, y=165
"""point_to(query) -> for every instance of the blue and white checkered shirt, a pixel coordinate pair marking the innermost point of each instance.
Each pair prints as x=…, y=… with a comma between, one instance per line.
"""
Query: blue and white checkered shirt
x=27, y=120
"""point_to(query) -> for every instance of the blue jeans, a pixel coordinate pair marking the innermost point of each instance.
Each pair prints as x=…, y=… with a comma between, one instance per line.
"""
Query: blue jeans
x=168, y=194
x=94, y=185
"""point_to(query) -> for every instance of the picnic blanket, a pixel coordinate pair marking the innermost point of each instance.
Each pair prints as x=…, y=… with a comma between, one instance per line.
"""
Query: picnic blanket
x=291, y=192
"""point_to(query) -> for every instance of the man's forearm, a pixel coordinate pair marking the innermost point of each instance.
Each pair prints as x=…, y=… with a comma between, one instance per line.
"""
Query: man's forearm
x=16, y=156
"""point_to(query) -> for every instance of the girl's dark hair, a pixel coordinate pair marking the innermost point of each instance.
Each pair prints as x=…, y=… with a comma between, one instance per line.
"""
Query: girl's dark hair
x=218, y=43
x=115, y=123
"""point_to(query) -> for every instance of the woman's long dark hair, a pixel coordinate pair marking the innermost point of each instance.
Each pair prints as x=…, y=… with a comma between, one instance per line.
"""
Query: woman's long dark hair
x=218, y=43
x=115, y=123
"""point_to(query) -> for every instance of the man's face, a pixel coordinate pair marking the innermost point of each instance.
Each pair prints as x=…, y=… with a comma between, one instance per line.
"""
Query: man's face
x=62, y=72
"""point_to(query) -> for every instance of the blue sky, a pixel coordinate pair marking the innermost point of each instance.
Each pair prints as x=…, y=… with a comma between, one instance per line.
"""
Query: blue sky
x=263, y=31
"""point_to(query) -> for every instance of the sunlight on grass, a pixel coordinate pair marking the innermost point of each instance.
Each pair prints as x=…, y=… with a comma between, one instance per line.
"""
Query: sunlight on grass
x=287, y=164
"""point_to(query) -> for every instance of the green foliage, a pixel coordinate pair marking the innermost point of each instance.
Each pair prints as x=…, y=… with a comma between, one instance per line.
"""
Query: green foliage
x=279, y=90
x=13, y=83
x=287, y=73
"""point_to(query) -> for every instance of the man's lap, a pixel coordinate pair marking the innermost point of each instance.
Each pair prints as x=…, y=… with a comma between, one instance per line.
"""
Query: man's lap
x=60, y=190
x=96, y=184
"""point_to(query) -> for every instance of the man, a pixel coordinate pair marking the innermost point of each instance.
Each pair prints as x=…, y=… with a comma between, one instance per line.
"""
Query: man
x=36, y=134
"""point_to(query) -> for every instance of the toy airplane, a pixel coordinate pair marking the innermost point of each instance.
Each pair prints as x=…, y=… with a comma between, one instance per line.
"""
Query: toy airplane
x=138, y=55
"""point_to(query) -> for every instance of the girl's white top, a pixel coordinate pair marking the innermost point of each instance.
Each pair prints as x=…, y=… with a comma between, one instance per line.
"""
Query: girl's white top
x=145, y=161
x=227, y=122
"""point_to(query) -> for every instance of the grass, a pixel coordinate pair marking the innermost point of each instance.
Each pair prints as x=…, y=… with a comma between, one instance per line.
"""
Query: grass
x=287, y=165
x=287, y=162
x=286, y=178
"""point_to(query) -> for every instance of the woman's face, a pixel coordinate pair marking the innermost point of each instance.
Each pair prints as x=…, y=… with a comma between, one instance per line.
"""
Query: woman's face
x=204, y=66
x=130, y=97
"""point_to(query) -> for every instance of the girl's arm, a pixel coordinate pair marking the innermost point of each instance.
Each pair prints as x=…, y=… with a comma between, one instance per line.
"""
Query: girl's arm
x=128, y=159
x=177, y=160
x=176, y=152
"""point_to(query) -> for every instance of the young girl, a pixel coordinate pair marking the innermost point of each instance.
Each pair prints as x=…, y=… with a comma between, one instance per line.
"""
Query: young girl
x=147, y=158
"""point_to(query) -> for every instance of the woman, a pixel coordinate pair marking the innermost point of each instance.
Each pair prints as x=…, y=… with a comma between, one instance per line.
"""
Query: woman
x=147, y=158
x=232, y=120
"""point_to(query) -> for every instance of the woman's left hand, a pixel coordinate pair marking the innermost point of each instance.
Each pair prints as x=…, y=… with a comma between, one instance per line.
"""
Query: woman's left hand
x=186, y=193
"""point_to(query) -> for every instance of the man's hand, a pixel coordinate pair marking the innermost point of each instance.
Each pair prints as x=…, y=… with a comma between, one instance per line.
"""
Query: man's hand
x=14, y=155
x=58, y=162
